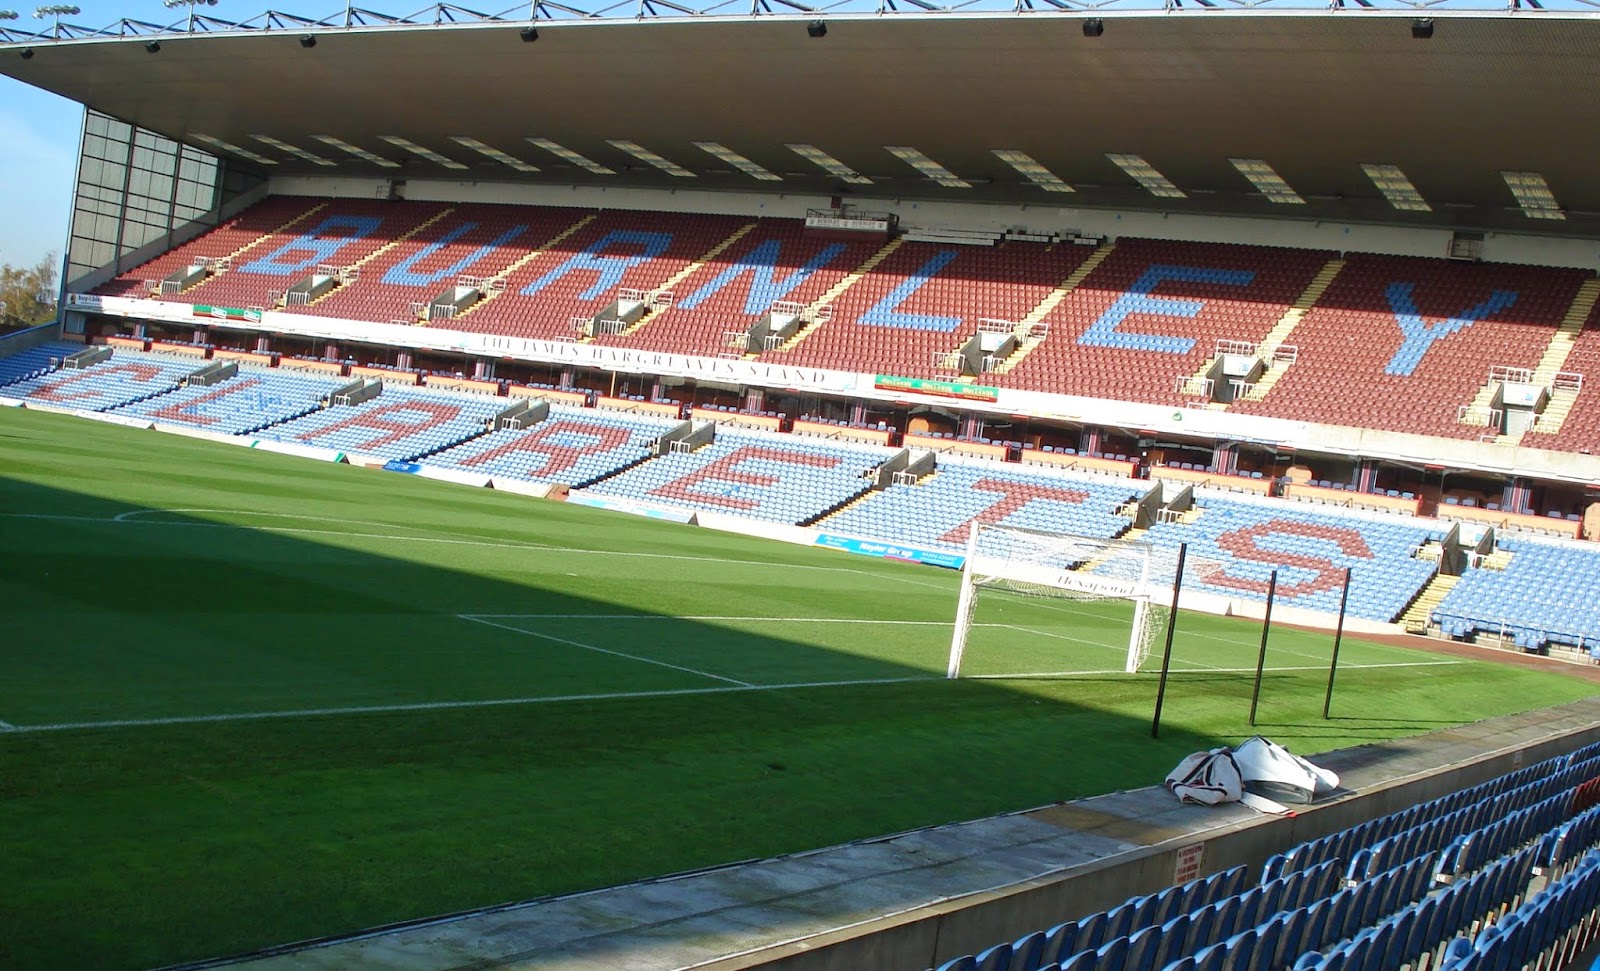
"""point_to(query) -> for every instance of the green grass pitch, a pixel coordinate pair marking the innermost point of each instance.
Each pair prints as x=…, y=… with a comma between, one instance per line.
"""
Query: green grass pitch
x=249, y=699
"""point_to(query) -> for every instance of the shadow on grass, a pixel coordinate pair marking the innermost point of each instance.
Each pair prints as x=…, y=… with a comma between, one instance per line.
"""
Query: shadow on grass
x=225, y=737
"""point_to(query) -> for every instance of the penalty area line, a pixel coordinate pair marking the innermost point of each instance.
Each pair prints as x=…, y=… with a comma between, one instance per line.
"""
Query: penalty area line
x=454, y=705
x=603, y=650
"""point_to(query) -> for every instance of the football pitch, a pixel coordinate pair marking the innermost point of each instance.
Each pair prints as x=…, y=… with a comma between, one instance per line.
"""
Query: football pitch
x=247, y=699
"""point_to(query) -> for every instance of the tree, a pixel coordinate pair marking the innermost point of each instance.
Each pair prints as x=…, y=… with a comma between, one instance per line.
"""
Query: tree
x=27, y=294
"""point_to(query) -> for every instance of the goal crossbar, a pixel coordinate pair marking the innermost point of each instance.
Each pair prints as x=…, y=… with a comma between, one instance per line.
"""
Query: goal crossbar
x=1069, y=567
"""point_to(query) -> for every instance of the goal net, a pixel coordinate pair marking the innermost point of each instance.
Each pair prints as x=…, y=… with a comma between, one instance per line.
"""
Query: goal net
x=1008, y=562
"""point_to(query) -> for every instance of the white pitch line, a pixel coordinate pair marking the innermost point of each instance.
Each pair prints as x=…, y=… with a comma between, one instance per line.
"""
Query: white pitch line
x=603, y=650
x=7, y=727
x=710, y=617
x=447, y=540
x=1269, y=670
x=450, y=705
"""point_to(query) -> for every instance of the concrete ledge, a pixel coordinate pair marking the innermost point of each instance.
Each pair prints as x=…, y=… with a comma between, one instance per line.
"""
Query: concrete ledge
x=911, y=901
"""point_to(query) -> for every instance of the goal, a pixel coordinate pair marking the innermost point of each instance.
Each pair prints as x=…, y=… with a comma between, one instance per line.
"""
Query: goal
x=1061, y=566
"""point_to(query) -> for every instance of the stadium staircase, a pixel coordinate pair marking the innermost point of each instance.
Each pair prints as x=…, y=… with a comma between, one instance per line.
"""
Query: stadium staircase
x=1556, y=355
x=1418, y=616
x=1285, y=327
x=1027, y=337
x=375, y=254
x=810, y=313
x=524, y=260
x=867, y=492
x=653, y=310
x=225, y=263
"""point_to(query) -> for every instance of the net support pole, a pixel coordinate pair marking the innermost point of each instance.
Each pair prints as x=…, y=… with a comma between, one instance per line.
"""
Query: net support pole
x=1338, y=636
x=958, y=637
x=1166, y=650
x=1261, y=656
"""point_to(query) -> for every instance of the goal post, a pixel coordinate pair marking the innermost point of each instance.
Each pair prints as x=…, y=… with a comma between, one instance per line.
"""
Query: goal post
x=1061, y=566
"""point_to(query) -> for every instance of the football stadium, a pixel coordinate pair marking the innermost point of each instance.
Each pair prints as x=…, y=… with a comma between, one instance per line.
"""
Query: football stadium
x=780, y=486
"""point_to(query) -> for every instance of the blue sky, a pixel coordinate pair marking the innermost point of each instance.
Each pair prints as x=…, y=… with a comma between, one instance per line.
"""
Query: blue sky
x=39, y=131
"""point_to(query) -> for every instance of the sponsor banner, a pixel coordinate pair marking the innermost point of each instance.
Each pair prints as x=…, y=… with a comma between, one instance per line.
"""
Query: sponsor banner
x=634, y=508
x=395, y=465
x=186, y=432
x=84, y=301
x=122, y=420
x=891, y=551
x=10, y=402
x=303, y=451
x=632, y=360
x=227, y=313
x=538, y=490
x=477, y=480
x=937, y=389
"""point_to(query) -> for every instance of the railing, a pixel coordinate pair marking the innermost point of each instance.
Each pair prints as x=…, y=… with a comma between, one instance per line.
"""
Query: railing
x=1285, y=353
x=772, y=342
x=823, y=314
x=579, y=325
x=630, y=293
x=1514, y=375
x=296, y=299
x=1192, y=387
x=993, y=325
x=419, y=311
x=1236, y=348
x=662, y=299
x=1567, y=381
x=736, y=338
x=1480, y=415
x=1240, y=388
x=609, y=326
x=788, y=308
x=442, y=311
x=946, y=360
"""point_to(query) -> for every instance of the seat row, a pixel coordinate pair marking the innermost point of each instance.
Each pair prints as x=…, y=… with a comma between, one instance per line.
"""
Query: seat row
x=1392, y=342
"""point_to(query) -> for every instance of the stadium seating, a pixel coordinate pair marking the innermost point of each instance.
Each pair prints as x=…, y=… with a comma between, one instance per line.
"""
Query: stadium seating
x=1580, y=431
x=1548, y=593
x=581, y=275
x=572, y=447
x=400, y=423
x=1155, y=310
x=1243, y=542
x=776, y=478
x=935, y=512
x=926, y=299
x=343, y=233
x=472, y=240
x=123, y=379
x=253, y=399
x=775, y=261
x=245, y=230
x=1401, y=343
x=1380, y=895
x=33, y=362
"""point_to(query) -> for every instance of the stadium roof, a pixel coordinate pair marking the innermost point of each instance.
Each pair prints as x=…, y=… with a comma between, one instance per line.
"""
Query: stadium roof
x=1350, y=114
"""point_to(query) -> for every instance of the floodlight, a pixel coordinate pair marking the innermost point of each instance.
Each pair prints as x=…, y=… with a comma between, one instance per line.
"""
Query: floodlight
x=1422, y=28
x=27, y=53
x=307, y=41
x=56, y=10
x=153, y=47
x=8, y=15
x=529, y=35
x=816, y=29
x=1094, y=27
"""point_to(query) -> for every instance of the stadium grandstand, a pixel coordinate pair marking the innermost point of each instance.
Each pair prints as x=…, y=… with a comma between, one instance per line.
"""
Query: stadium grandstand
x=1311, y=294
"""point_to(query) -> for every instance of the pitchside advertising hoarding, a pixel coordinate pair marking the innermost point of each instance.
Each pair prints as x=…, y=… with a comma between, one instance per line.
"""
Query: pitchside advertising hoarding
x=936, y=389
x=890, y=551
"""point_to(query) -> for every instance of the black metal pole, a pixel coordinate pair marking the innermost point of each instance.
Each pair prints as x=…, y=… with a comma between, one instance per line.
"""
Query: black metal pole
x=1166, y=651
x=1261, y=658
x=1338, y=636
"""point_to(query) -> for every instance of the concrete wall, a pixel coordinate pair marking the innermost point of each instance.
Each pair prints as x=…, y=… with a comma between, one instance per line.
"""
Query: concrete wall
x=928, y=936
